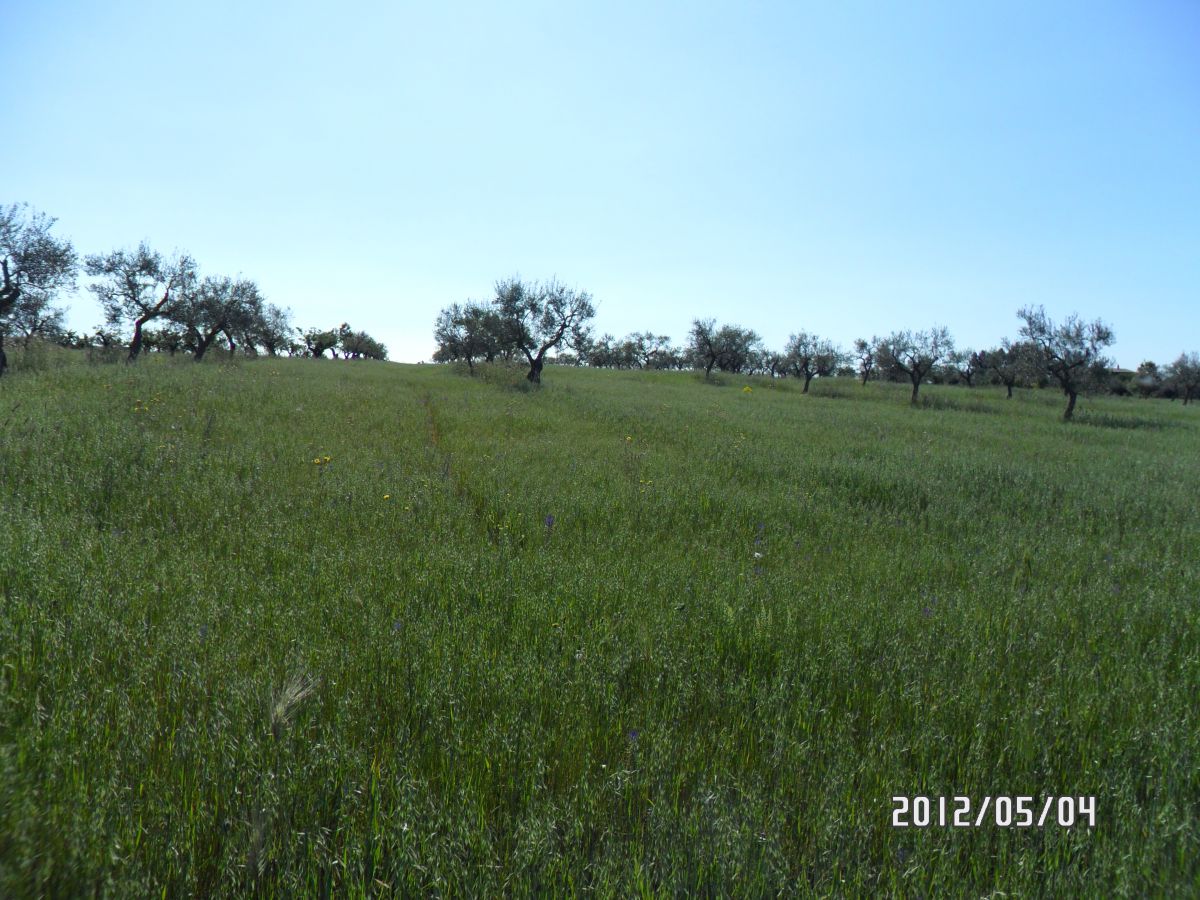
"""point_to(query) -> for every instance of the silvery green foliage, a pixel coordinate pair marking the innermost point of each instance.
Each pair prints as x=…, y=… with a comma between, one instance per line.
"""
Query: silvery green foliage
x=729, y=348
x=808, y=356
x=1071, y=353
x=537, y=317
x=915, y=354
x=138, y=286
x=34, y=266
x=1184, y=375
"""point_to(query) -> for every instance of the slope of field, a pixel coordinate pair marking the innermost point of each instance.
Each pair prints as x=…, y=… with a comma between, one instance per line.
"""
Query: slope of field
x=308, y=627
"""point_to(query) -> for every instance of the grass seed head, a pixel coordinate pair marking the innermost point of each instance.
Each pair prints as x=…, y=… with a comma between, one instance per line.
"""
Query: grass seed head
x=287, y=699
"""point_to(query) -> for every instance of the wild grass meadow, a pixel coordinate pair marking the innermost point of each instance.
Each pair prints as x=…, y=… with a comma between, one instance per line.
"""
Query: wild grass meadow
x=317, y=628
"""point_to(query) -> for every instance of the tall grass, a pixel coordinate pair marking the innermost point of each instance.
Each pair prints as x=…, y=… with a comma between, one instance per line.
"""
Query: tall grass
x=302, y=627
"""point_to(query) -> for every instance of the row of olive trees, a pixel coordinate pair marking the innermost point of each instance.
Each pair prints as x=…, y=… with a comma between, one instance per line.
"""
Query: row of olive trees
x=530, y=320
x=164, y=302
x=343, y=341
x=1180, y=378
x=1068, y=354
x=278, y=338
x=140, y=287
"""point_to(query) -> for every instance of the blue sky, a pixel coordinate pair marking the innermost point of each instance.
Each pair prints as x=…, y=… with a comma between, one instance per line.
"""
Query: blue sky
x=847, y=168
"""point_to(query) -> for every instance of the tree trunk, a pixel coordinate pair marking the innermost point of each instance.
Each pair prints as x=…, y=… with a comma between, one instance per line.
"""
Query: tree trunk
x=916, y=387
x=535, y=369
x=3, y=357
x=135, y=346
x=807, y=379
x=203, y=345
x=10, y=292
x=1009, y=385
x=708, y=369
x=866, y=375
x=470, y=365
x=1070, y=406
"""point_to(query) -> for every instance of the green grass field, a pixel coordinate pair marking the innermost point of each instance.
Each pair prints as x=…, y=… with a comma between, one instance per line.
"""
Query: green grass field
x=303, y=628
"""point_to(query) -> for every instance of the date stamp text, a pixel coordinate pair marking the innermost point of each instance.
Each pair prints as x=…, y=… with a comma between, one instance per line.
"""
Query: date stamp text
x=1000, y=812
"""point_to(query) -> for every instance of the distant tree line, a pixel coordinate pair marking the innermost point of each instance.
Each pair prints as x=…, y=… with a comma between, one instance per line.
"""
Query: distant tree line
x=1067, y=355
x=153, y=303
x=150, y=303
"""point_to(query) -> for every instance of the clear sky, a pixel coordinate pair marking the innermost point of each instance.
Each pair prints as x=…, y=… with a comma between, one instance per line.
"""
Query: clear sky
x=847, y=168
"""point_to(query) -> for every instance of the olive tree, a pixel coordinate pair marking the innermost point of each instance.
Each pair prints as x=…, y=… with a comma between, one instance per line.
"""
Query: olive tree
x=273, y=328
x=468, y=331
x=217, y=305
x=34, y=316
x=167, y=339
x=866, y=352
x=728, y=348
x=601, y=352
x=646, y=349
x=34, y=266
x=808, y=356
x=1012, y=363
x=915, y=354
x=776, y=364
x=316, y=342
x=360, y=345
x=1184, y=376
x=1070, y=352
x=138, y=286
x=536, y=318
x=966, y=365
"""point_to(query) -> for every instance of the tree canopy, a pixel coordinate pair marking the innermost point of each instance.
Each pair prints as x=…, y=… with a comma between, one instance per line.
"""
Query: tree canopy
x=808, y=356
x=469, y=331
x=1184, y=375
x=1071, y=352
x=915, y=353
x=729, y=348
x=219, y=304
x=34, y=266
x=138, y=286
x=526, y=319
x=538, y=317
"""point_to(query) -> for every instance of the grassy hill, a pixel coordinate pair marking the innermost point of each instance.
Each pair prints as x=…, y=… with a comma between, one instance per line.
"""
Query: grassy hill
x=305, y=627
